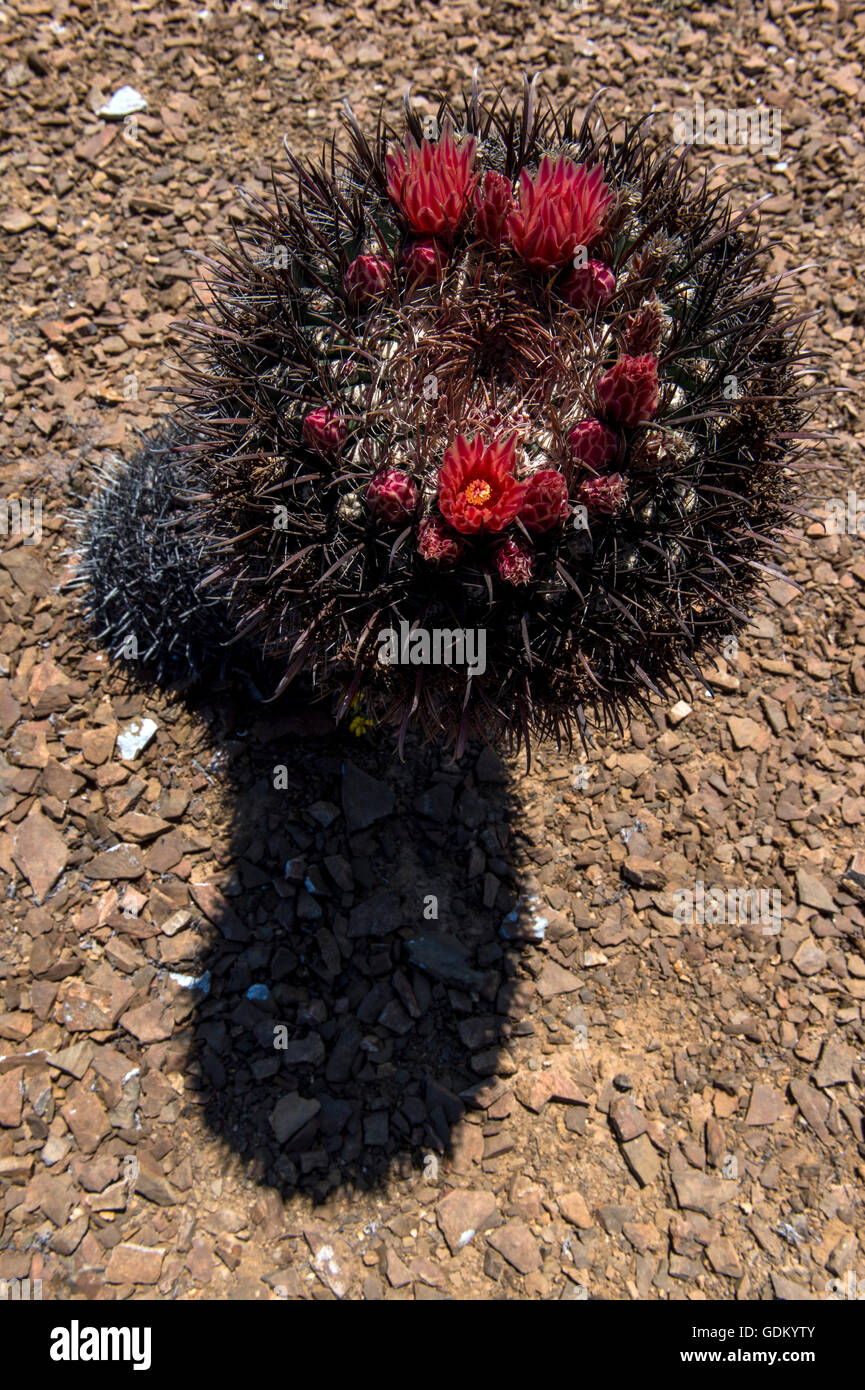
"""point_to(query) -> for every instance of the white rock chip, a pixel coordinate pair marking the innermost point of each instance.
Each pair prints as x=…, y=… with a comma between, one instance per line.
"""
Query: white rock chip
x=135, y=738
x=124, y=102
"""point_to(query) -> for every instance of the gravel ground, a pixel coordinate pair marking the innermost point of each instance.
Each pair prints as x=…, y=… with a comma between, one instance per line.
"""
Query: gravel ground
x=363, y=1029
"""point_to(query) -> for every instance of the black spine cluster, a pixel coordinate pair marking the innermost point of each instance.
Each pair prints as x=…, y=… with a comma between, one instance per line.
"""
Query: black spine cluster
x=140, y=566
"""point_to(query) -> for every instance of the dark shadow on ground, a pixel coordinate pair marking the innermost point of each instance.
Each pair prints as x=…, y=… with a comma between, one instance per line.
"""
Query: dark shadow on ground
x=359, y=978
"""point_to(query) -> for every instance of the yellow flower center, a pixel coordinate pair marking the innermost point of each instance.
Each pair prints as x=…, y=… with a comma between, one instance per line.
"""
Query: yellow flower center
x=478, y=492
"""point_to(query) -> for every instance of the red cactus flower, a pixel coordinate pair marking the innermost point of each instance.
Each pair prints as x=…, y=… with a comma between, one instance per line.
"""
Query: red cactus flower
x=515, y=561
x=628, y=392
x=593, y=443
x=436, y=544
x=477, y=487
x=433, y=184
x=392, y=495
x=545, y=501
x=589, y=286
x=423, y=262
x=493, y=204
x=324, y=430
x=603, y=496
x=367, y=277
x=561, y=208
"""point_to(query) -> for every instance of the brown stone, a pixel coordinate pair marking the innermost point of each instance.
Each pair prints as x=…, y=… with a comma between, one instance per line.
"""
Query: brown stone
x=148, y=1022
x=722, y=1256
x=120, y=862
x=11, y=1098
x=515, y=1243
x=40, y=853
x=573, y=1207
x=766, y=1106
x=812, y=893
x=134, y=1264
x=85, y=1115
x=534, y=1092
x=97, y=745
x=462, y=1215
x=553, y=980
x=87, y=1008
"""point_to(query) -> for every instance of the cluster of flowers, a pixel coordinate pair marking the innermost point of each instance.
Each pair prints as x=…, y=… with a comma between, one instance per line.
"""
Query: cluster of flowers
x=556, y=216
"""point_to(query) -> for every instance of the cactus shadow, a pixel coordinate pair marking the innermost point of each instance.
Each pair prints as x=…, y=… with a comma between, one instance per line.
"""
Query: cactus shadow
x=358, y=980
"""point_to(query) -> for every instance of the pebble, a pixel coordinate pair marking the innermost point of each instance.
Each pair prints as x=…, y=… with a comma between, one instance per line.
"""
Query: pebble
x=835, y=1066
x=812, y=893
x=766, y=1106
x=40, y=853
x=516, y=1244
x=696, y=1192
x=134, y=1264
x=462, y=1215
x=291, y=1114
x=365, y=799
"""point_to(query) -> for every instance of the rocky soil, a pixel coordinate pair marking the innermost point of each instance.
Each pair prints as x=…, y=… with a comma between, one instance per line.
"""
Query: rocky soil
x=282, y=1017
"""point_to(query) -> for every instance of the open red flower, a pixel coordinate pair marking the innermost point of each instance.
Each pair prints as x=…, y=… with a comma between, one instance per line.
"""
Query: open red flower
x=432, y=184
x=628, y=392
x=477, y=487
x=493, y=203
x=562, y=207
x=545, y=501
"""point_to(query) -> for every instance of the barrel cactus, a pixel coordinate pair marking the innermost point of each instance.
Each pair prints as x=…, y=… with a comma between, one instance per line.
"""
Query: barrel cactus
x=501, y=372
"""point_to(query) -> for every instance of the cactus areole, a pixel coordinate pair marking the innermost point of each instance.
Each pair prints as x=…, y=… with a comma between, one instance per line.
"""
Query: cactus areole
x=493, y=370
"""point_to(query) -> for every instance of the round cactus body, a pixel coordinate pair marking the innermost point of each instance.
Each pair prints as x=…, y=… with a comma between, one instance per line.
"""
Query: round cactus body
x=492, y=373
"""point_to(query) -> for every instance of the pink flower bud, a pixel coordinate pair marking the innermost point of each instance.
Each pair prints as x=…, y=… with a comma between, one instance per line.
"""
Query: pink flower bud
x=644, y=328
x=628, y=392
x=423, y=263
x=545, y=501
x=324, y=430
x=367, y=277
x=590, y=286
x=492, y=205
x=593, y=443
x=392, y=495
